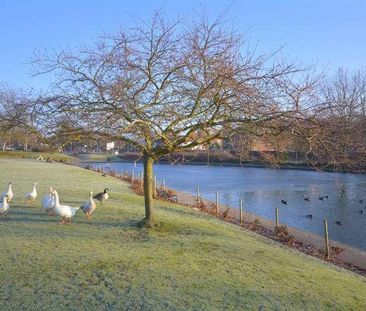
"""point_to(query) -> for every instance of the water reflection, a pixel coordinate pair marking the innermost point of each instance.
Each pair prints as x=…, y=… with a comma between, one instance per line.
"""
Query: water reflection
x=263, y=189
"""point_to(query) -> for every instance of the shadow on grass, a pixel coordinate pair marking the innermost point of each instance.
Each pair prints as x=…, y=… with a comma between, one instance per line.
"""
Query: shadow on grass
x=20, y=217
x=129, y=230
x=29, y=212
x=124, y=224
x=9, y=218
x=166, y=227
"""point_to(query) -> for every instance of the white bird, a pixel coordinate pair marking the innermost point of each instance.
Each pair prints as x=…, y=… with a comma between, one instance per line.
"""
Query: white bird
x=31, y=196
x=65, y=211
x=48, y=202
x=8, y=193
x=4, y=206
x=89, y=207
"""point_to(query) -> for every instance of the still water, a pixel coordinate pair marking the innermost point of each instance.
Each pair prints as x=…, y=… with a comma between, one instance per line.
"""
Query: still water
x=263, y=189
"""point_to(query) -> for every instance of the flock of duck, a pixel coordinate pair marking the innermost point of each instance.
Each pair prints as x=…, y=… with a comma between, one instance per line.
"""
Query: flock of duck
x=321, y=198
x=51, y=203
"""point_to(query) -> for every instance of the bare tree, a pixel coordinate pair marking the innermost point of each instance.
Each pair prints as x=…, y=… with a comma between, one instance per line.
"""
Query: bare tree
x=167, y=86
x=18, y=112
x=337, y=138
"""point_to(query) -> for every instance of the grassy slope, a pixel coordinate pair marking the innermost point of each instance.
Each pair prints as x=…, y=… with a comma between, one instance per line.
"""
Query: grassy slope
x=191, y=262
x=34, y=155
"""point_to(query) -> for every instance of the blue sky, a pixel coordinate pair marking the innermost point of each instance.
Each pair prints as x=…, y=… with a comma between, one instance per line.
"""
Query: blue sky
x=331, y=34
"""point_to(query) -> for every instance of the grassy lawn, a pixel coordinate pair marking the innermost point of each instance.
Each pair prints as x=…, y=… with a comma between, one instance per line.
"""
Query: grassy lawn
x=34, y=155
x=190, y=262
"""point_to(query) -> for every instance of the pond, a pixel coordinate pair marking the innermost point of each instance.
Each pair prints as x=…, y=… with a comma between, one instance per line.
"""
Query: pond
x=338, y=197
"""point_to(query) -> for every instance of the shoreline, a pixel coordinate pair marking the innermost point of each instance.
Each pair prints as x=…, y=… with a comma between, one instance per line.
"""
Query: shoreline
x=341, y=255
x=349, y=253
x=229, y=164
x=235, y=212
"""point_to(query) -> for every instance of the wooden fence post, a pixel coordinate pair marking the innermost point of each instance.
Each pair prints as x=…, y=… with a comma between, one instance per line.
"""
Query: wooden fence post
x=241, y=210
x=326, y=239
x=198, y=197
x=217, y=203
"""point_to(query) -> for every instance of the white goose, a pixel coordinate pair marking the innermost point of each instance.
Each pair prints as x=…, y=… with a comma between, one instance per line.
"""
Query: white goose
x=65, y=211
x=8, y=193
x=4, y=206
x=48, y=202
x=89, y=207
x=31, y=196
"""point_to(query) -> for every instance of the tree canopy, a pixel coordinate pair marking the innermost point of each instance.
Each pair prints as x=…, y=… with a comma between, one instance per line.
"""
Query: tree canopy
x=167, y=86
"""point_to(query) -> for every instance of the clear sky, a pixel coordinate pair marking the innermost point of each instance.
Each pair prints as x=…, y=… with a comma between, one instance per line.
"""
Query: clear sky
x=329, y=33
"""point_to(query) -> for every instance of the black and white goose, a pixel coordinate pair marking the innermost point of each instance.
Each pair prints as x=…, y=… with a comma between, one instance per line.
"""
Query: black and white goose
x=102, y=196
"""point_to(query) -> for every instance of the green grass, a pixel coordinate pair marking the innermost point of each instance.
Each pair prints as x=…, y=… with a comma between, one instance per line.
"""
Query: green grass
x=95, y=157
x=190, y=262
x=34, y=155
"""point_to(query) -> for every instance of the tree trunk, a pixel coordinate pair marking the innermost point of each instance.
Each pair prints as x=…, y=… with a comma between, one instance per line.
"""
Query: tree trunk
x=26, y=141
x=148, y=189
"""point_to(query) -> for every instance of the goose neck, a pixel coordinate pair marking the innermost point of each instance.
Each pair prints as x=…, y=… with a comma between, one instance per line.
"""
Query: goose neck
x=57, y=202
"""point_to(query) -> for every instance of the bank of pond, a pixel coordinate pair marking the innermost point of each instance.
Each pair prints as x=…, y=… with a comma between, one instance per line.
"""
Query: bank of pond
x=304, y=198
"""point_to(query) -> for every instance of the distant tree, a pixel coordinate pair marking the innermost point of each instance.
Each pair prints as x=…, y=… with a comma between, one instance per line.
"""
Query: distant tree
x=336, y=137
x=241, y=142
x=66, y=133
x=158, y=84
x=18, y=113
